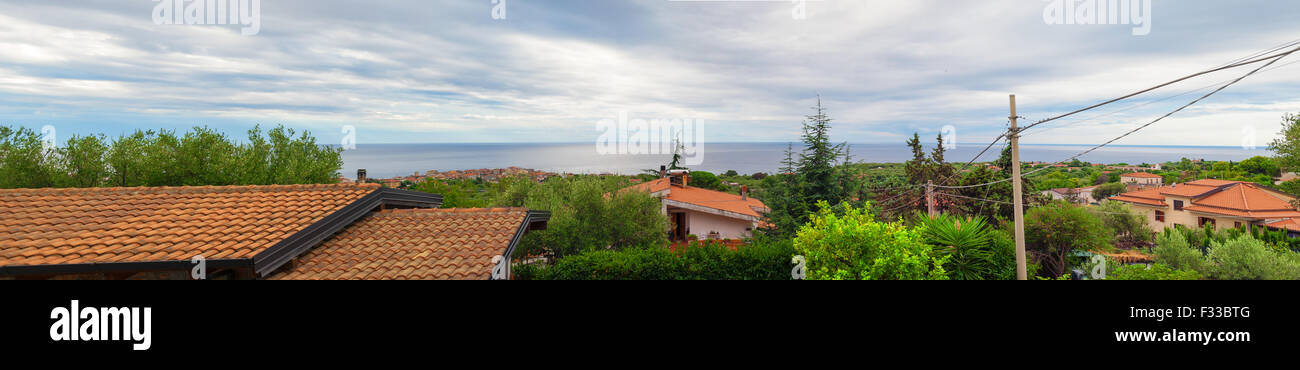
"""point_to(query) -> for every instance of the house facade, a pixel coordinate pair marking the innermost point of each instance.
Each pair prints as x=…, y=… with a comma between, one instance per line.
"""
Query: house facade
x=1224, y=204
x=1076, y=195
x=1142, y=179
x=707, y=214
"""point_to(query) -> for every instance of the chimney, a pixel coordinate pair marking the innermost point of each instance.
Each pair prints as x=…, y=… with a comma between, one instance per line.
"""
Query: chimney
x=663, y=171
x=744, y=192
x=361, y=176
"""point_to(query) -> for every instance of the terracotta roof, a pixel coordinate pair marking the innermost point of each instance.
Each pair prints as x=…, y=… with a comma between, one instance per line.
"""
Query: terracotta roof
x=1288, y=224
x=423, y=244
x=704, y=197
x=1230, y=198
x=107, y=225
x=1143, y=175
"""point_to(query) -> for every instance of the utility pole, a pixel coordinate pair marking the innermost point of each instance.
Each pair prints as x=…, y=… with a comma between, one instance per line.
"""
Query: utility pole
x=1017, y=194
x=929, y=198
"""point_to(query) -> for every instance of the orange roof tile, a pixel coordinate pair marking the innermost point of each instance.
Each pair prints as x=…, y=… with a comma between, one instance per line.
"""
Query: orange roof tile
x=1288, y=224
x=423, y=244
x=704, y=197
x=1143, y=175
x=100, y=225
x=1230, y=198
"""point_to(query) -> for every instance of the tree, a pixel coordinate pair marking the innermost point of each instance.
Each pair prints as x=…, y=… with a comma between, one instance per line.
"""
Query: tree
x=160, y=158
x=706, y=180
x=731, y=173
x=587, y=213
x=1286, y=149
x=1054, y=231
x=854, y=246
x=818, y=174
x=1259, y=165
x=1108, y=190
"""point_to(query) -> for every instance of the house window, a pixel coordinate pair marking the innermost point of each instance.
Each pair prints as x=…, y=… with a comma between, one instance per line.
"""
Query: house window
x=1204, y=220
x=1178, y=205
x=1236, y=225
x=1160, y=216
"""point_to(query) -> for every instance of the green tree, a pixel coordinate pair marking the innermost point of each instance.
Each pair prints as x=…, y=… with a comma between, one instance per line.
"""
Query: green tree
x=24, y=160
x=587, y=213
x=1259, y=165
x=1108, y=190
x=1055, y=230
x=82, y=161
x=707, y=180
x=1286, y=148
x=854, y=246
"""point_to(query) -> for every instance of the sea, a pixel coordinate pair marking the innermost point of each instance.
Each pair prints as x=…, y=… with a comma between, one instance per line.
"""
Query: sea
x=390, y=160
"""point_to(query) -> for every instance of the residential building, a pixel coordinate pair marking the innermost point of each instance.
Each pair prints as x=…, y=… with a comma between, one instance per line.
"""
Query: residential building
x=708, y=214
x=1077, y=195
x=1142, y=179
x=336, y=231
x=1224, y=204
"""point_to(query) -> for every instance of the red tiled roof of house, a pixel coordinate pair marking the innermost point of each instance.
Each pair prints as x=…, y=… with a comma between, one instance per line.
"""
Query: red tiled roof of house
x=1288, y=224
x=703, y=197
x=106, y=225
x=1142, y=175
x=421, y=244
x=1231, y=198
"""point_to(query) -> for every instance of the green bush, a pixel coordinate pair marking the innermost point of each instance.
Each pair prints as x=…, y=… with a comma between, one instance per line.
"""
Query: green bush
x=854, y=246
x=758, y=261
x=1246, y=258
x=1127, y=225
x=1172, y=249
x=1154, y=272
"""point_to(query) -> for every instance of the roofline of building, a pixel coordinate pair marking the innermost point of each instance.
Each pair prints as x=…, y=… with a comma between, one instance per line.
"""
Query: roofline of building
x=111, y=267
x=266, y=262
x=535, y=220
x=703, y=208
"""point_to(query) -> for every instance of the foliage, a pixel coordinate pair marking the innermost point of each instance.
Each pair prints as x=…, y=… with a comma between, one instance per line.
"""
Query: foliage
x=852, y=245
x=587, y=213
x=1152, y=272
x=1246, y=258
x=1286, y=149
x=974, y=249
x=461, y=193
x=819, y=173
x=162, y=158
x=707, y=180
x=1127, y=225
x=759, y=260
x=1172, y=249
x=1055, y=230
x=1107, y=190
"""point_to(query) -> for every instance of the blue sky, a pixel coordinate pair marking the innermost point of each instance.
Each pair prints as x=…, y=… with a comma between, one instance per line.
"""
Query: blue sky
x=446, y=71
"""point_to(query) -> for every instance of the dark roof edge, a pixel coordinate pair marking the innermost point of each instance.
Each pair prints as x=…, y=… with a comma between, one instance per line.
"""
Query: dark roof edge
x=88, y=268
x=535, y=220
x=286, y=250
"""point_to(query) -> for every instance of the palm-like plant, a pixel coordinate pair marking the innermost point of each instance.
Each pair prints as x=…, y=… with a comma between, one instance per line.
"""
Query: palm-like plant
x=967, y=241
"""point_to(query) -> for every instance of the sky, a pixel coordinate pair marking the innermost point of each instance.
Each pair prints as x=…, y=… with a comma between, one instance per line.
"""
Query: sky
x=450, y=72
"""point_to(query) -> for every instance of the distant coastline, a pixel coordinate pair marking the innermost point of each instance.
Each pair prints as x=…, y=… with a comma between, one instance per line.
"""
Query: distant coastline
x=391, y=160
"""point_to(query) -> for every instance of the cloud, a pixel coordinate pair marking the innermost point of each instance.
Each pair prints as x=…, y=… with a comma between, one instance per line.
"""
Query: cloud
x=415, y=71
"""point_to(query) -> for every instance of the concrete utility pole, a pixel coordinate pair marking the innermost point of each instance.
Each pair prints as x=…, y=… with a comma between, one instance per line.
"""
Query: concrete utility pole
x=929, y=199
x=1017, y=194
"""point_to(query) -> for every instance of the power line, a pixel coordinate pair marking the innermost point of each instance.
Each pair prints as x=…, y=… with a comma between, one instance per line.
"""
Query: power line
x=1181, y=79
x=1130, y=132
x=1149, y=102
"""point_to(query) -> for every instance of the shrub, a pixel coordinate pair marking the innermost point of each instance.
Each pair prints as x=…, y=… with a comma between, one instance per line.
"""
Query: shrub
x=970, y=244
x=1172, y=249
x=854, y=246
x=1153, y=272
x=712, y=261
x=1246, y=258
